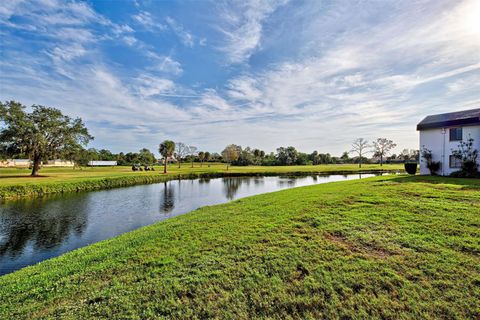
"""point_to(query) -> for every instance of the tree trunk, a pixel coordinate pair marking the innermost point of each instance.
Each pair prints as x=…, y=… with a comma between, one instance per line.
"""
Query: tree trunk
x=36, y=165
x=360, y=163
x=201, y=164
x=165, y=165
x=227, y=166
x=179, y=164
x=192, y=164
x=381, y=161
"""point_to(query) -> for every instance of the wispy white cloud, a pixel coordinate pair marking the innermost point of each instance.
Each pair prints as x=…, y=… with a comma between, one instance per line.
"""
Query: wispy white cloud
x=164, y=64
x=145, y=19
x=185, y=36
x=242, y=27
x=149, y=85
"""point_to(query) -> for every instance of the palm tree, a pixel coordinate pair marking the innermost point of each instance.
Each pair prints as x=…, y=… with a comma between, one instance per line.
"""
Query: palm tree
x=201, y=157
x=166, y=149
x=207, y=157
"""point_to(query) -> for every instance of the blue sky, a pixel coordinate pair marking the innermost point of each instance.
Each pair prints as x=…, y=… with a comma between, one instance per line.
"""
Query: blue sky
x=312, y=74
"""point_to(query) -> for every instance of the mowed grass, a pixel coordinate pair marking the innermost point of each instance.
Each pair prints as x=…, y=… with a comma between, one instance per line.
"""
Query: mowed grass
x=391, y=247
x=18, y=183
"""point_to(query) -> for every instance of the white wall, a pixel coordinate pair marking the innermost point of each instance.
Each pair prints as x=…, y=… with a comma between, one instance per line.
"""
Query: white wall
x=442, y=147
x=20, y=163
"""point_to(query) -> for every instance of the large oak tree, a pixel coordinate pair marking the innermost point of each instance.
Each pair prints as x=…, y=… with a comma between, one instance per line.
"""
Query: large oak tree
x=42, y=134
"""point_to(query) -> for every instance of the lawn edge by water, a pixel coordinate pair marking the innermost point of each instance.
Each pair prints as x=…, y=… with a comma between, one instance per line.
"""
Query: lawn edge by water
x=17, y=191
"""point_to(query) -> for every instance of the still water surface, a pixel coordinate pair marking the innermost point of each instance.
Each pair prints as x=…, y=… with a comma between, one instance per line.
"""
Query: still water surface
x=32, y=230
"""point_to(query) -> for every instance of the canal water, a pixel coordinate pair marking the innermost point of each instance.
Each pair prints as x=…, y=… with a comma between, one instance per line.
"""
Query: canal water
x=32, y=230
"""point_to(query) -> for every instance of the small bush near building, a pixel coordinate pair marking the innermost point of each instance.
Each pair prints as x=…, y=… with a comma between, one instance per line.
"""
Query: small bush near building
x=468, y=155
x=433, y=166
x=411, y=167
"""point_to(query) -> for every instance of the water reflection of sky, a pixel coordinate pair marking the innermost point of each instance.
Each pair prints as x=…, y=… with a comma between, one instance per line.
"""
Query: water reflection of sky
x=36, y=229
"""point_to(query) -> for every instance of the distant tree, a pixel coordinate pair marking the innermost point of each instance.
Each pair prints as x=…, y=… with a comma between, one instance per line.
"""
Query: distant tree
x=269, y=160
x=166, y=149
x=181, y=151
x=246, y=157
x=207, y=156
x=105, y=155
x=192, y=152
x=230, y=154
x=324, y=158
x=146, y=157
x=302, y=159
x=201, y=157
x=287, y=156
x=216, y=157
x=415, y=155
x=382, y=147
x=360, y=148
x=131, y=158
x=43, y=134
x=409, y=155
x=314, y=157
x=345, y=158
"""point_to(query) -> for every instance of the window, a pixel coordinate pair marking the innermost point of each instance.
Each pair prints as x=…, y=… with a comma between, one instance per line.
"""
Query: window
x=455, y=162
x=456, y=134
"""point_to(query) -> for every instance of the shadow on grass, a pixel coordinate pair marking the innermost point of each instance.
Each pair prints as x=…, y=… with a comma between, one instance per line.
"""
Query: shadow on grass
x=17, y=176
x=464, y=182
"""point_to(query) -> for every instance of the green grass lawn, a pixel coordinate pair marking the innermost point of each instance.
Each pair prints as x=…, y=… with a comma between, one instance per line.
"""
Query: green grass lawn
x=391, y=247
x=18, y=183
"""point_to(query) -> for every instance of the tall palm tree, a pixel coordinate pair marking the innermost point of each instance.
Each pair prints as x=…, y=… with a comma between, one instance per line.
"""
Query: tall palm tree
x=166, y=149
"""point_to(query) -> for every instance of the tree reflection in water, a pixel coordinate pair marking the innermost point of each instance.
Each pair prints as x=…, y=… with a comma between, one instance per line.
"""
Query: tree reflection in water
x=26, y=224
x=231, y=186
x=287, y=182
x=204, y=180
x=167, y=198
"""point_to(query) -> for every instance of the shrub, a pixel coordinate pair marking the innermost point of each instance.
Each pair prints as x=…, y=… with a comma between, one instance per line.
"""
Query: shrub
x=411, y=167
x=433, y=166
x=468, y=155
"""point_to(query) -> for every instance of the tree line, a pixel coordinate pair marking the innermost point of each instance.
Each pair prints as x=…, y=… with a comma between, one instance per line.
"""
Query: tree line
x=285, y=156
x=45, y=133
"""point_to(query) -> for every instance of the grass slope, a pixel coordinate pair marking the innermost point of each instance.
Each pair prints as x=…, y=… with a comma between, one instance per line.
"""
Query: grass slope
x=15, y=183
x=379, y=248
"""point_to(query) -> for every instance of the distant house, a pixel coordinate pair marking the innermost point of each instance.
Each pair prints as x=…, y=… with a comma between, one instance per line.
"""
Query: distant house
x=58, y=163
x=15, y=163
x=102, y=163
x=171, y=159
x=441, y=133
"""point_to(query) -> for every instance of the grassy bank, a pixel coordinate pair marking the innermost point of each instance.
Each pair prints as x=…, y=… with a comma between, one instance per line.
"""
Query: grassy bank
x=391, y=247
x=16, y=183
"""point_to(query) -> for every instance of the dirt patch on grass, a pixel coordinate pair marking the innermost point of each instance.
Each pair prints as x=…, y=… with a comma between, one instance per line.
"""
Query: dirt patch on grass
x=366, y=250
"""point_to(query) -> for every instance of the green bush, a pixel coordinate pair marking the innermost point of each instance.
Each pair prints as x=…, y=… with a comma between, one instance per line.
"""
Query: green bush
x=411, y=167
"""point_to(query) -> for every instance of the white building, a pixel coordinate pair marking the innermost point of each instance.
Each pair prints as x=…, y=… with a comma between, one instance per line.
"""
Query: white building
x=102, y=163
x=58, y=163
x=442, y=133
x=16, y=163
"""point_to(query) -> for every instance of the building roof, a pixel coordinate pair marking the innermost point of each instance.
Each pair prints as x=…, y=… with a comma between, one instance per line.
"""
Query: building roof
x=452, y=119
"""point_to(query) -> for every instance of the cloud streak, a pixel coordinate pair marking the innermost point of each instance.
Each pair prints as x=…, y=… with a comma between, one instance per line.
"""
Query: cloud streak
x=242, y=27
